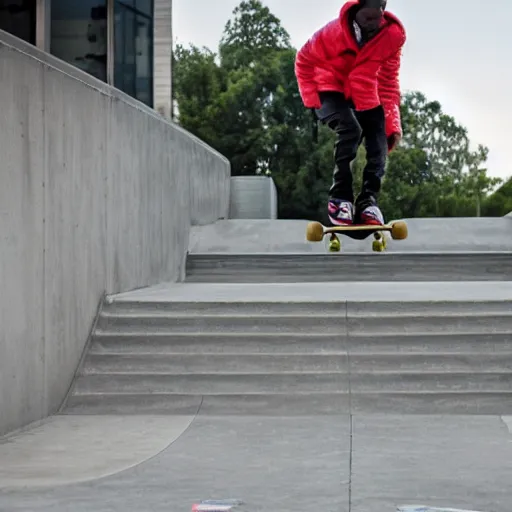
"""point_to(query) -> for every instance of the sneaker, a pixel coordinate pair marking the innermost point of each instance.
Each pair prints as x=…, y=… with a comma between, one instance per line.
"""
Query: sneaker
x=341, y=213
x=372, y=215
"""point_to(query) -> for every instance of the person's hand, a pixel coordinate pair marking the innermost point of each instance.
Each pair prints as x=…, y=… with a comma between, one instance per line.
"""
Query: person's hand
x=393, y=140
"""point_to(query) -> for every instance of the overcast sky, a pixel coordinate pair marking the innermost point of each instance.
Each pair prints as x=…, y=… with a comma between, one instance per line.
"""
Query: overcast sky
x=457, y=52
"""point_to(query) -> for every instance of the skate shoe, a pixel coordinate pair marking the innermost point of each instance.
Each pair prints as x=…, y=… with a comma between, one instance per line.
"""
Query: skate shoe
x=372, y=215
x=341, y=213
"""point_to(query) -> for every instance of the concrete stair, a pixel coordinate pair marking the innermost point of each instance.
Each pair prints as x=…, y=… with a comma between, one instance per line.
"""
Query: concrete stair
x=350, y=266
x=290, y=358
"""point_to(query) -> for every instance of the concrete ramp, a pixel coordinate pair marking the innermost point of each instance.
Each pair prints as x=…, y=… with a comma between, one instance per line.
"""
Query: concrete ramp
x=65, y=450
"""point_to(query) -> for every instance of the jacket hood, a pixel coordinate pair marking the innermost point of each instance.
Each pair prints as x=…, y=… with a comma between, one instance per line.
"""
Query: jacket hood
x=388, y=16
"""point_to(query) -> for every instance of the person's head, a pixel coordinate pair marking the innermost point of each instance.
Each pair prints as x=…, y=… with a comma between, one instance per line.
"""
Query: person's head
x=370, y=13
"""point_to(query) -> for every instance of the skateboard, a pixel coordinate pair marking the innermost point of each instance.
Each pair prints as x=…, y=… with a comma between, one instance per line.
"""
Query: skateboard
x=316, y=231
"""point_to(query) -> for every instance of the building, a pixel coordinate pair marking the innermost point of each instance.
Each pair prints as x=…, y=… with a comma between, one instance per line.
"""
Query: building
x=125, y=43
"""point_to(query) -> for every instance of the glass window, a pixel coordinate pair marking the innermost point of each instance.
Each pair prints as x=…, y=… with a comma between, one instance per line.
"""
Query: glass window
x=134, y=52
x=18, y=17
x=125, y=51
x=143, y=60
x=145, y=7
x=79, y=34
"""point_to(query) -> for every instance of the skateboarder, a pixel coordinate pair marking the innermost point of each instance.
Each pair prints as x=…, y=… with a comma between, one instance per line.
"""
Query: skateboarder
x=348, y=74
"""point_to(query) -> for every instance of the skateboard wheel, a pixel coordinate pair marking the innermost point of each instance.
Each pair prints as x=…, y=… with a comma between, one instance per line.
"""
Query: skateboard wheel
x=314, y=232
x=334, y=244
x=377, y=246
x=399, y=230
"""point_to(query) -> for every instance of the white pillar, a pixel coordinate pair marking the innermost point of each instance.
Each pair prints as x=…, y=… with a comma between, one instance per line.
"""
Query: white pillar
x=162, y=58
x=110, y=41
x=43, y=25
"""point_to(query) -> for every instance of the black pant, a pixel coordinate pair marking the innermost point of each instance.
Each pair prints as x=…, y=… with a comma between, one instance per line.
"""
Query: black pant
x=351, y=127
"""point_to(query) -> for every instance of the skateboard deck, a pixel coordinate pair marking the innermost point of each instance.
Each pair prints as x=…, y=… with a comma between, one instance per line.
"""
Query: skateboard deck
x=316, y=231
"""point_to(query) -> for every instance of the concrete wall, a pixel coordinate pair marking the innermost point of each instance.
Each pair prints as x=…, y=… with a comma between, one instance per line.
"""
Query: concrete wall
x=97, y=194
x=253, y=197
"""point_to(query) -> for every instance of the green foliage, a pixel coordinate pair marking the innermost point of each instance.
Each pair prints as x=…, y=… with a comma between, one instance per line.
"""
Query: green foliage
x=198, y=83
x=244, y=102
x=499, y=203
x=252, y=34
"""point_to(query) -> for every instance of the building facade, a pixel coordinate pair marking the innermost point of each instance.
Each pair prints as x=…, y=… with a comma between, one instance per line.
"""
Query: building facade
x=125, y=43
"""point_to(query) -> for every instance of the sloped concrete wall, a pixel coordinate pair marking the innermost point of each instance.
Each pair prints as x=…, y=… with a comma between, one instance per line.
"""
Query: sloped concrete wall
x=253, y=197
x=97, y=195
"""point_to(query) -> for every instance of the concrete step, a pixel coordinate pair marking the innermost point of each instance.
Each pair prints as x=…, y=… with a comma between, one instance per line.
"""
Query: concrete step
x=228, y=308
x=225, y=363
x=134, y=323
x=429, y=324
x=202, y=342
x=212, y=383
x=284, y=404
x=211, y=363
x=294, y=404
x=161, y=323
x=326, y=307
x=288, y=358
x=205, y=343
x=406, y=308
x=487, y=341
x=293, y=382
x=388, y=266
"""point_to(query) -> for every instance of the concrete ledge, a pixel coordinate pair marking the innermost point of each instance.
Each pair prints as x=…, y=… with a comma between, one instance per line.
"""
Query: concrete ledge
x=364, y=292
x=289, y=236
x=253, y=197
x=51, y=62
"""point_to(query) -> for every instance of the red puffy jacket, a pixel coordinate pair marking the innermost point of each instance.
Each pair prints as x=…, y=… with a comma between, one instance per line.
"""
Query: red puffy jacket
x=332, y=61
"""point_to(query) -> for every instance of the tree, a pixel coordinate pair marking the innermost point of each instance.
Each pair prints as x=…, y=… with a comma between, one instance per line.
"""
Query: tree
x=476, y=184
x=238, y=92
x=407, y=191
x=198, y=83
x=452, y=174
x=444, y=142
x=500, y=202
x=251, y=35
